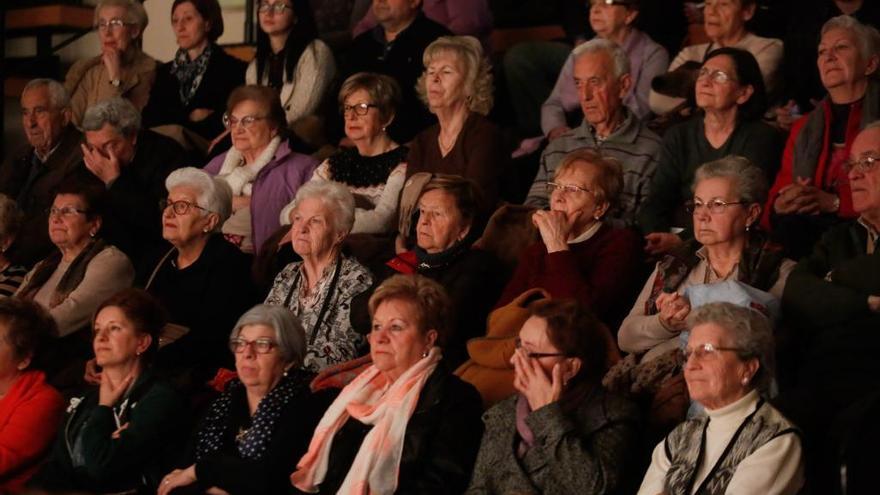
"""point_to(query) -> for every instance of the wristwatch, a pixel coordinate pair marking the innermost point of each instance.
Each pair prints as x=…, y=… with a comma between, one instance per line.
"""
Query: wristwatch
x=115, y=82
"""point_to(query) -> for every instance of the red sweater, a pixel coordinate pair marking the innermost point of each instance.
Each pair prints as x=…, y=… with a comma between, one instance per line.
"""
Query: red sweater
x=29, y=417
x=599, y=272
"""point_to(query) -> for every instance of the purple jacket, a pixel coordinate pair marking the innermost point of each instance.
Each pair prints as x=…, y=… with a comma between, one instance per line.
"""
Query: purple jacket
x=274, y=187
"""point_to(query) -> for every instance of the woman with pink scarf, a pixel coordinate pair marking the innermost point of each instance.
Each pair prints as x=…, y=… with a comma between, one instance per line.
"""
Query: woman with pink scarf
x=405, y=424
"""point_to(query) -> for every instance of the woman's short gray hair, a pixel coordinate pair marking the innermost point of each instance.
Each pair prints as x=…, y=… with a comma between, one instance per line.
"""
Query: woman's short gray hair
x=750, y=334
x=117, y=112
x=135, y=13
x=477, y=71
x=10, y=218
x=58, y=96
x=867, y=35
x=334, y=195
x=214, y=194
x=289, y=333
x=614, y=51
x=749, y=181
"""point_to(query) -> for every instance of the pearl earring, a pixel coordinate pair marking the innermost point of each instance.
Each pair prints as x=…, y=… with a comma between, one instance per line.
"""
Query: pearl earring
x=425, y=354
x=745, y=380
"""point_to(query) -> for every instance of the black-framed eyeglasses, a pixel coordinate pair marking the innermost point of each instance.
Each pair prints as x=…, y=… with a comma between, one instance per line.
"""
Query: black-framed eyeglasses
x=706, y=350
x=863, y=165
x=359, y=109
x=568, y=188
x=715, y=206
x=260, y=346
x=247, y=121
x=275, y=8
x=715, y=75
x=537, y=355
x=180, y=207
x=111, y=25
x=65, y=211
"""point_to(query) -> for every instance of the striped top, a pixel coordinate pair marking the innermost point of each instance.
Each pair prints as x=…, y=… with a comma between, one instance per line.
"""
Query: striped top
x=10, y=279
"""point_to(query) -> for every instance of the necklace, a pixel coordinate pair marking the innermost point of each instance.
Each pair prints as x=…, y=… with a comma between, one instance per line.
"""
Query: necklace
x=445, y=148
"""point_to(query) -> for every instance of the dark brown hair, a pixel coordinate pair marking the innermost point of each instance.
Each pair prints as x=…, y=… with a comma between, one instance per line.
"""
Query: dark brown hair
x=30, y=329
x=210, y=11
x=144, y=311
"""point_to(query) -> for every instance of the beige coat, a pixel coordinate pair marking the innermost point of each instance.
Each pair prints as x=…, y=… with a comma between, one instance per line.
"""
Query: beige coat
x=88, y=83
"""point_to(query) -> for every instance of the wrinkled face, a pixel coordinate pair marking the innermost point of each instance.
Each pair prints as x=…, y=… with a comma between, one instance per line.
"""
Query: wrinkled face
x=395, y=11
x=256, y=136
x=108, y=140
x=580, y=206
x=715, y=379
x=10, y=364
x=189, y=26
x=723, y=18
x=312, y=232
x=361, y=127
x=42, y=122
x=444, y=81
x=601, y=94
x=607, y=20
x=70, y=227
x=254, y=369
x=840, y=60
x=116, y=341
x=441, y=224
x=396, y=341
x=275, y=23
x=728, y=224
x=180, y=230
x=865, y=185
x=719, y=96
x=114, y=36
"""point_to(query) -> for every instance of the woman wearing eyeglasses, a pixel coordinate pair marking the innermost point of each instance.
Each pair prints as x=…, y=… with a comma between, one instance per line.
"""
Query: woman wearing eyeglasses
x=728, y=195
x=290, y=58
x=741, y=444
x=251, y=437
x=579, y=256
x=562, y=432
x=262, y=170
x=731, y=97
x=375, y=168
x=122, y=69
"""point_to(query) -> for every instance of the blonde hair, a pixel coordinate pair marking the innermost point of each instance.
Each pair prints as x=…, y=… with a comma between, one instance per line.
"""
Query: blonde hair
x=610, y=180
x=477, y=71
x=429, y=298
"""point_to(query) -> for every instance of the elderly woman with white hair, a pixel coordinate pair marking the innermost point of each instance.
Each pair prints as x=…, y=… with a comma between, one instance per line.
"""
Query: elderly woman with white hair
x=252, y=435
x=320, y=288
x=122, y=69
x=742, y=444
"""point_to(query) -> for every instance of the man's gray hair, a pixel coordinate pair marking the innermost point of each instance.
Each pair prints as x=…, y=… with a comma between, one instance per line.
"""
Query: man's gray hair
x=213, y=195
x=614, y=51
x=334, y=195
x=289, y=333
x=868, y=37
x=58, y=97
x=750, y=334
x=748, y=179
x=118, y=112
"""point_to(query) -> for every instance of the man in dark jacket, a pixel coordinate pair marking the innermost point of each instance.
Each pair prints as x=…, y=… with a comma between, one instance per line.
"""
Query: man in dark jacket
x=832, y=298
x=133, y=164
x=395, y=48
x=31, y=174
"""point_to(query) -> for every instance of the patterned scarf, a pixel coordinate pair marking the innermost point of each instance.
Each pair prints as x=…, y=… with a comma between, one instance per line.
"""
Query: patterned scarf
x=372, y=400
x=189, y=73
x=252, y=442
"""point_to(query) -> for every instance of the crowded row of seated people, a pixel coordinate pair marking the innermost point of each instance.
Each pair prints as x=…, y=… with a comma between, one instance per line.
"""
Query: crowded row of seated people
x=395, y=310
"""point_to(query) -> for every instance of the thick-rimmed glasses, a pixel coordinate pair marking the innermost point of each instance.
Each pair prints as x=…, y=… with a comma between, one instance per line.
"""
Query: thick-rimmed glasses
x=863, y=165
x=180, y=207
x=65, y=211
x=260, y=346
x=274, y=8
x=537, y=355
x=111, y=25
x=706, y=350
x=715, y=206
x=359, y=109
x=568, y=188
x=247, y=121
x=715, y=75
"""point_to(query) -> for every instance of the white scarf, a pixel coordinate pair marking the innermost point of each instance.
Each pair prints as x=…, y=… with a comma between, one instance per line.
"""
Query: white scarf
x=240, y=176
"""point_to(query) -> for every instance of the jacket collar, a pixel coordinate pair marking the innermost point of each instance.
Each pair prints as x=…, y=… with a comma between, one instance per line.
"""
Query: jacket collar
x=626, y=134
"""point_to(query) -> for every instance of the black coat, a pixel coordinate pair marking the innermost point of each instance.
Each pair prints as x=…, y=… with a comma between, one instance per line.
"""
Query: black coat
x=224, y=73
x=32, y=243
x=439, y=448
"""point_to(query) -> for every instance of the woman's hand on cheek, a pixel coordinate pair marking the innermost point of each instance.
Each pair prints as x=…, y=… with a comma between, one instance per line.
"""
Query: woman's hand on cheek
x=533, y=383
x=554, y=227
x=111, y=58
